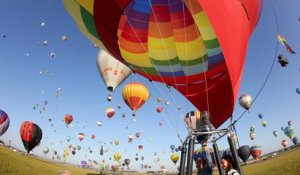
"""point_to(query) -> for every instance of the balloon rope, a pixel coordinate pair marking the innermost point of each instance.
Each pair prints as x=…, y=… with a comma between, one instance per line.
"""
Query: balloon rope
x=271, y=68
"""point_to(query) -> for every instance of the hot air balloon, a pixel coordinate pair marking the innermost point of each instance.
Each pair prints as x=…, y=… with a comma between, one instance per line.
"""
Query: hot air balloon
x=112, y=71
x=260, y=116
x=110, y=112
x=68, y=119
x=289, y=122
x=135, y=95
x=244, y=152
x=99, y=123
x=45, y=150
x=4, y=122
x=284, y=143
x=275, y=133
x=295, y=140
x=130, y=138
x=117, y=142
x=78, y=147
x=289, y=131
x=31, y=135
x=127, y=162
x=117, y=156
x=252, y=128
x=255, y=151
x=172, y=147
x=264, y=123
x=93, y=136
x=81, y=136
x=137, y=135
x=183, y=44
x=68, y=138
x=159, y=109
x=159, y=99
x=298, y=90
x=252, y=135
x=64, y=38
x=174, y=158
x=245, y=101
x=141, y=147
x=73, y=152
x=83, y=164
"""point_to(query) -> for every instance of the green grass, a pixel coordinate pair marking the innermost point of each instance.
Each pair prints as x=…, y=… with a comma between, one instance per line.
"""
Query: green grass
x=12, y=163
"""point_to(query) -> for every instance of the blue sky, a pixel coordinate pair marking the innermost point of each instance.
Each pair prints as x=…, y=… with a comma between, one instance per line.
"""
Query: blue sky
x=84, y=95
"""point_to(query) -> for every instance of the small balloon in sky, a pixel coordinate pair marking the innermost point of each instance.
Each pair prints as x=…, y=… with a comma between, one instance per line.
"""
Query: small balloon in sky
x=52, y=55
x=95, y=45
x=45, y=43
x=42, y=24
x=64, y=38
x=27, y=54
x=3, y=36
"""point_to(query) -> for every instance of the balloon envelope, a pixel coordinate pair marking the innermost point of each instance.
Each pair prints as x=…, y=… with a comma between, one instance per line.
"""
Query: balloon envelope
x=244, y=152
x=295, y=140
x=68, y=119
x=255, y=151
x=31, y=135
x=284, y=143
x=183, y=44
x=289, y=131
x=174, y=158
x=4, y=122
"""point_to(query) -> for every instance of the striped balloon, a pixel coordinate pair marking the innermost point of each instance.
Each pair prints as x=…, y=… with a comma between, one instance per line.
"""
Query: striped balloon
x=255, y=151
x=196, y=46
x=135, y=95
x=4, y=122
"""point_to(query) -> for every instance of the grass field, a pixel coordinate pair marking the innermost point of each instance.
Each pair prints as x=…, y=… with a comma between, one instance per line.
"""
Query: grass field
x=12, y=163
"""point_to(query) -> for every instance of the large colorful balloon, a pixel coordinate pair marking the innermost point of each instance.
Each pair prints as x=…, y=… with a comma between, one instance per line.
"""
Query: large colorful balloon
x=112, y=71
x=182, y=43
x=68, y=119
x=31, y=135
x=244, y=152
x=135, y=95
x=4, y=122
x=289, y=131
x=255, y=151
x=174, y=158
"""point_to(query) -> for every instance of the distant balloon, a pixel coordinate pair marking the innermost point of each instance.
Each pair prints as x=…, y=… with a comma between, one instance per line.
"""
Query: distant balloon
x=83, y=164
x=160, y=123
x=244, y=152
x=289, y=122
x=42, y=24
x=93, y=136
x=137, y=135
x=252, y=128
x=119, y=106
x=264, y=123
x=159, y=99
x=252, y=135
x=260, y=116
x=31, y=135
x=179, y=107
x=73, y=152
x=68, y=138
x=45, y=150
x=127, y=162
x=159, y=109
x=167, y=102
x=140, y=147
x=275, y=133
x=117, y=142
x=110, y=112
x=99, y=123
x=295, y=140
x=117, y=156
x=284, y=143
x=135, y=95
x=52, y=55
x=45, y=43
x=4, y=122
x=81, y=136
x=289, y=131
x=255, y=151
x=68, y=119
x=245, y=101
x=174, y=158
x=64, y=38
x=130, y=138
x=298, y=90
